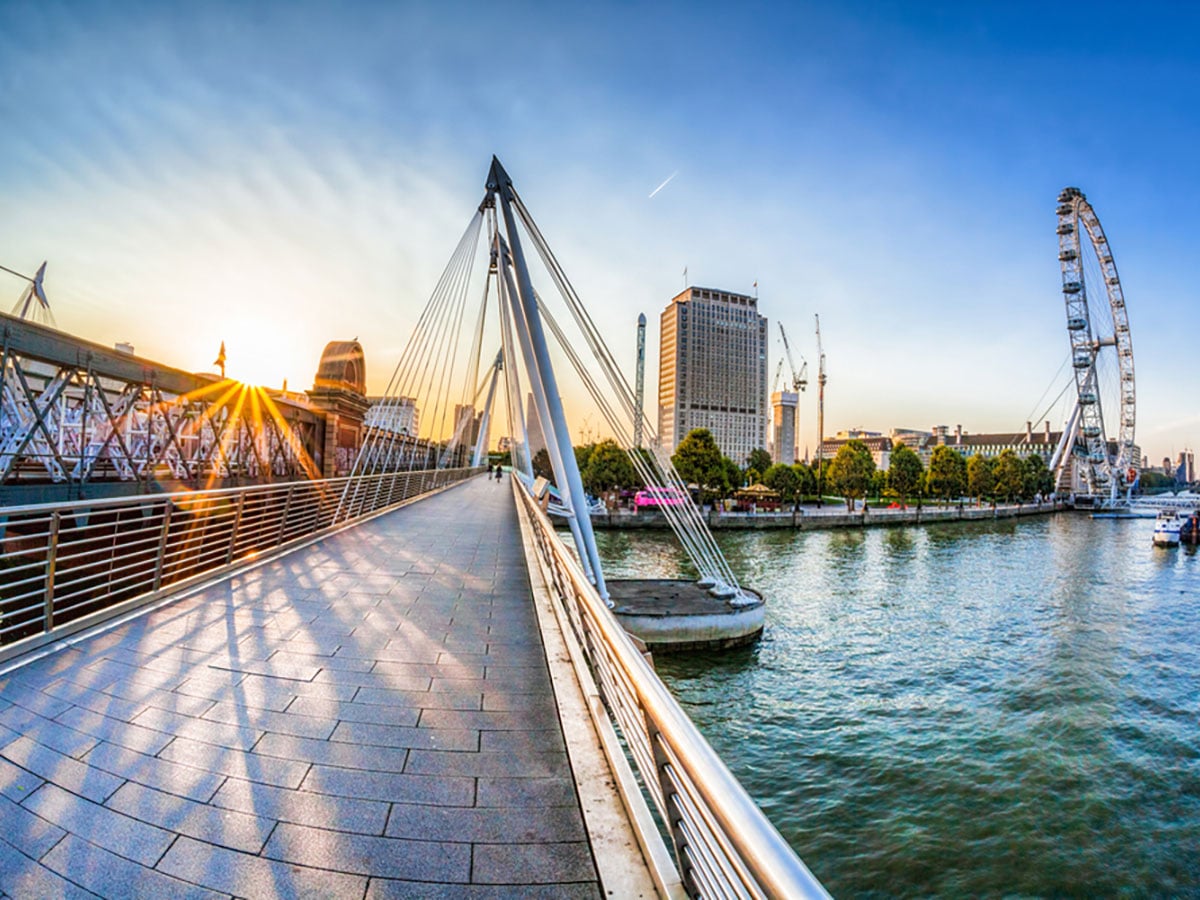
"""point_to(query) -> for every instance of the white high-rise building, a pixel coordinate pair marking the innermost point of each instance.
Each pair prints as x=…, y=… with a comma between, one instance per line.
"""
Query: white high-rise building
x=783, y=426
x=712, y=371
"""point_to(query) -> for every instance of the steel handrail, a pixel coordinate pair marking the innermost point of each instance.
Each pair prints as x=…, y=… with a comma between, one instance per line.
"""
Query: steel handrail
x=120, y=551
x=756, y=845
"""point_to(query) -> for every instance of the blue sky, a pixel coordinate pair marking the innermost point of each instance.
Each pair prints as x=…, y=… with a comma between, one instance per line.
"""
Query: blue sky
x=277, y=175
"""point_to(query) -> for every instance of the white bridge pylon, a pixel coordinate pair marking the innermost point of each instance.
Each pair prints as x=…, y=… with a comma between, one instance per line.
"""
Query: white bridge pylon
x=439, y=371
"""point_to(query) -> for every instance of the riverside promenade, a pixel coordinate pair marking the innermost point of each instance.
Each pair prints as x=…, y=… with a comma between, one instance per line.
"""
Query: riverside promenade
x=371, y=715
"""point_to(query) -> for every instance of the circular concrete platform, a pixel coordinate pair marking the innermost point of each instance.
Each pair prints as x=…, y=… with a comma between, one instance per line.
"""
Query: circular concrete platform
x=676, y=615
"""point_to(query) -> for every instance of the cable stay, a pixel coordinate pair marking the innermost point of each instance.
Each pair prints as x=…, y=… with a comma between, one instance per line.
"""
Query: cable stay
x=441, y=399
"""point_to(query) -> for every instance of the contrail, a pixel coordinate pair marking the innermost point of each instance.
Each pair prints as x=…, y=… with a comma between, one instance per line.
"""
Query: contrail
x=664, y=184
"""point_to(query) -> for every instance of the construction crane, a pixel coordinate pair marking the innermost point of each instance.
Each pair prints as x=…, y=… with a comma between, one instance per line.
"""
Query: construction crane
x=820, y=414
x=800, y=378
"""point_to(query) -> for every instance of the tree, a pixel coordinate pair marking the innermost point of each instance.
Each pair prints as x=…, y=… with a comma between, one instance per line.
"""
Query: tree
x=1010, y=475
x=878, y=483
x=608, y=468
x=808, y=481
x=583, y=453
x=947, y=476
x=820, y=470
x=759, y=460
x=851, y=470
x=698, y=461
x=646, y=458
x=904, y=472
x=541, y=465
x=734, y=476
x=1154, y=481
x=981, y=479
x=784, y=480
x=1038, y=478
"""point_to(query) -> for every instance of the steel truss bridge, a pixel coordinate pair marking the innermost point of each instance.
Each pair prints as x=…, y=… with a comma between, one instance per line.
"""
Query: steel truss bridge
x=76, y=414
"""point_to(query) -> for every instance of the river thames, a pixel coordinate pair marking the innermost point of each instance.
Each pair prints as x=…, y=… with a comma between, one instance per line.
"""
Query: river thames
x=966, y=709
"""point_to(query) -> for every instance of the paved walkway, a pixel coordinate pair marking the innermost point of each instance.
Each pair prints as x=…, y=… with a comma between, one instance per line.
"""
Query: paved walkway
x=371, y=716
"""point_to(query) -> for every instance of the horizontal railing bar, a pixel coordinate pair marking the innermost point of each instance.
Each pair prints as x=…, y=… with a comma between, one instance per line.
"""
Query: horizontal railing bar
x=145, y=543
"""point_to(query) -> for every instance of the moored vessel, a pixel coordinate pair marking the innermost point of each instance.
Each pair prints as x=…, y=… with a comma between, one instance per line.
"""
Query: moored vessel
x=1167, y=527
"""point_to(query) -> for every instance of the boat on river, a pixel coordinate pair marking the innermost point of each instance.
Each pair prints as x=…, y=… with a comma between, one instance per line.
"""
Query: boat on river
x=1167, y=527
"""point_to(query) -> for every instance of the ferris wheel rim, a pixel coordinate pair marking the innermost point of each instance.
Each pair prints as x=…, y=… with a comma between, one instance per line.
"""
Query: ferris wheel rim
x=1103, y=469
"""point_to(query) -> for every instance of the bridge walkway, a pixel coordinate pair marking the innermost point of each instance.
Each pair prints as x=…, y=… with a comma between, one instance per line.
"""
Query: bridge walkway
x=371, y=715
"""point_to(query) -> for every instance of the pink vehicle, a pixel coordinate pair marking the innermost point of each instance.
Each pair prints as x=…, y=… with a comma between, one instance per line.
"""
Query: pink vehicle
x=659, y=496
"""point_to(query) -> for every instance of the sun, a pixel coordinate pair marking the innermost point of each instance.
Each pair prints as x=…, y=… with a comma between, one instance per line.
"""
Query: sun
x=260, y=356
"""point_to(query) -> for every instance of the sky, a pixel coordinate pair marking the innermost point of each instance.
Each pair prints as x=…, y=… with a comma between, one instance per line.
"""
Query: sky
x=279, y=175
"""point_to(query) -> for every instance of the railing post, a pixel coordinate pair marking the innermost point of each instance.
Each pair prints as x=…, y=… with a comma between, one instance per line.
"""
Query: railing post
x=237, y=520
x=287, y=508
x=160, y=562
x=51, y=565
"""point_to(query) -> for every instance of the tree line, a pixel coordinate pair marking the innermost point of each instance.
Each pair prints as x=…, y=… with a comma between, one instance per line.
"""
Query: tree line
x=851, y=474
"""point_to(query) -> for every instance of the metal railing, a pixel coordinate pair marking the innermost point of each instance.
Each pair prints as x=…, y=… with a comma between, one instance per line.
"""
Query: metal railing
x=724, y=845
x=70, y=563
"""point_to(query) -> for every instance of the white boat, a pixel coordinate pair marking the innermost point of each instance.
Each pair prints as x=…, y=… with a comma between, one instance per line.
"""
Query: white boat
x=1166, y=528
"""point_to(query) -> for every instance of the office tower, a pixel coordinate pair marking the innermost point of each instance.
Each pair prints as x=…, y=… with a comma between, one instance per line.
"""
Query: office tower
x=712, y=371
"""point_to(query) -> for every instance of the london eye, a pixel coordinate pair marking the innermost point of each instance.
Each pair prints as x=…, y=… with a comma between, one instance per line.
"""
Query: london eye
x=1101, y=427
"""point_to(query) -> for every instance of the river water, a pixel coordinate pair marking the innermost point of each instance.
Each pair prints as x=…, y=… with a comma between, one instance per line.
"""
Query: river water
x=999, y=708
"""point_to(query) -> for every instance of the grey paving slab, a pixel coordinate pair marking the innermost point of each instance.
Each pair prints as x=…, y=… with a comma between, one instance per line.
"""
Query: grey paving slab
x=436, y=790
x=247, y=875
x=29, y=833
x=371, y=715
x=348, y=814
x=285, y=772
x=433, y=823
x=25, y=877
x=525, y=792
x=399, y=736
x=54, y=735
x=153, y=771
x=116, y=731
x=536, y=863
x=126, y=836
x=386, y=889
x=530, y=764
x=259, y=720
x=21, y=699
x=330, y=753
x=109, y=875
x=212, y=824
x=17, y=783
x=367, y=855
x=55, y=767
x=419, y=699
x=237, y=737
x=380, y=714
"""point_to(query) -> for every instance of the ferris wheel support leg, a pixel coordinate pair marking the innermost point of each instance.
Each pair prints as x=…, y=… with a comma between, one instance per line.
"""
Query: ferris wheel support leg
x=1062, y=452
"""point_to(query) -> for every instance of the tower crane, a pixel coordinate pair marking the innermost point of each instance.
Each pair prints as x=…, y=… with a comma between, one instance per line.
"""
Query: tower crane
x=799, y=378
x=820, y=413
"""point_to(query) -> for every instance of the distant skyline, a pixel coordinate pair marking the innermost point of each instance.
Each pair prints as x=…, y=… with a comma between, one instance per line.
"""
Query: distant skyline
x=278, y=175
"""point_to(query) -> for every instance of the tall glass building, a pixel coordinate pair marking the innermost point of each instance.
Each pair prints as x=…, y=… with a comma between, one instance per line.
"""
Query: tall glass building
x=712, y=371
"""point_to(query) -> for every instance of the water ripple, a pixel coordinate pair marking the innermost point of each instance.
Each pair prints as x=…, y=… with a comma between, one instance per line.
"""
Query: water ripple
x=971, y=710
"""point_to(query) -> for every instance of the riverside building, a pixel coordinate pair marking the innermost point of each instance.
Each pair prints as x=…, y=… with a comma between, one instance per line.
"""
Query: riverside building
x=712, y=371
x=783, y=426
